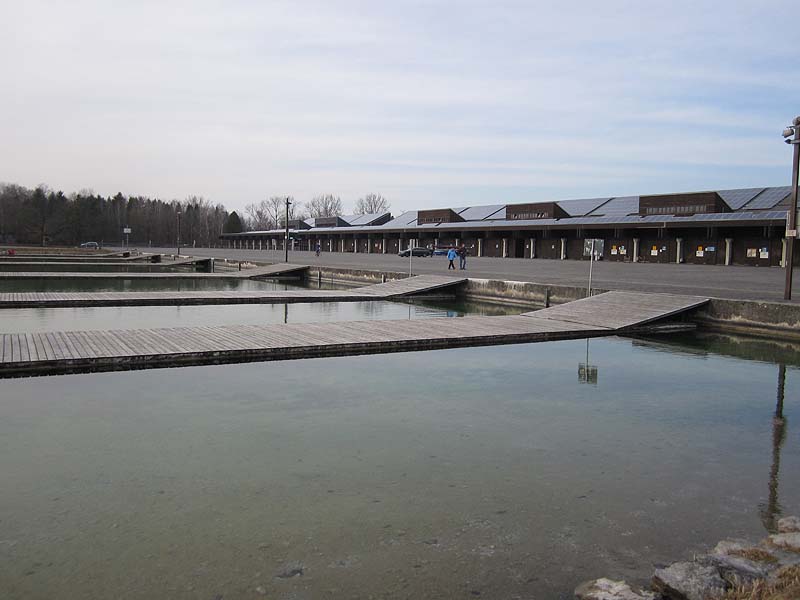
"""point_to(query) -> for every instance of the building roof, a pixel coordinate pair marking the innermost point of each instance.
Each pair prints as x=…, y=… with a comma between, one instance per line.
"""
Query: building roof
x=747, y=204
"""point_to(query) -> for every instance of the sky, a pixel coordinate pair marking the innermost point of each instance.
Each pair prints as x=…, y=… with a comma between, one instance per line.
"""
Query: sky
x=427, y=103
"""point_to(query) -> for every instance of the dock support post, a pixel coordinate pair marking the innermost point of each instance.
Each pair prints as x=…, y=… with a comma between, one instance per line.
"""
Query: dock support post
x=319, y=277
x=729, y=251
x=563, y=248
x=532, y=242
x=383, y=277
x=547, y=297
x=679, y=251
x=635, y=250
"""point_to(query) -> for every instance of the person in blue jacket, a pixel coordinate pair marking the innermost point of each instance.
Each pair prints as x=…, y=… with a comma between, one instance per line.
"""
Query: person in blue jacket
x=451, y=256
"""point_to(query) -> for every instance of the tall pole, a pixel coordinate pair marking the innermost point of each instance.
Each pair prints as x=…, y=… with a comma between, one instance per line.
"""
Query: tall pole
x=178, y=241
x=791, y=219
x=286, y=240
x=589, y=290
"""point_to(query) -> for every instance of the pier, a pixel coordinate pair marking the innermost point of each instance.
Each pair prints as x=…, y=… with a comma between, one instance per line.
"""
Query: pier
x=247, y=273
x=411, y=286
x=30, y=354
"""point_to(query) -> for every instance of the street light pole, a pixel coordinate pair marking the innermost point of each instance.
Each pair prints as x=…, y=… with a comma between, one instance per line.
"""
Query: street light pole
x=791, y=218
x=178, y=241
x=286, y=240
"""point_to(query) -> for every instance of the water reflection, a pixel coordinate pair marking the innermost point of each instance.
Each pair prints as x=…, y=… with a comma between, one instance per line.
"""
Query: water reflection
x=771, y=512
x=587, y=373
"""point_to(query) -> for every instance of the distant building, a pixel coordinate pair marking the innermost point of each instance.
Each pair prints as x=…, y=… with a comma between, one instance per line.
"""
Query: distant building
x=741, y=226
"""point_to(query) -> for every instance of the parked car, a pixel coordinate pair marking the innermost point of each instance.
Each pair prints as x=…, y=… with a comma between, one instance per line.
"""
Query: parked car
x=90, y=245
x=416, y=252
x=440, y=251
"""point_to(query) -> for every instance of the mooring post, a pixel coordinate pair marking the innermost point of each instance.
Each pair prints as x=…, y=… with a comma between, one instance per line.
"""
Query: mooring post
x=383, y=277
x=547, y=297
x=319, y=277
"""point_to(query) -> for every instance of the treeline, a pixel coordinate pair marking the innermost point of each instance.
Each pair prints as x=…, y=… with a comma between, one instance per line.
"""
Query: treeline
x=42, y=216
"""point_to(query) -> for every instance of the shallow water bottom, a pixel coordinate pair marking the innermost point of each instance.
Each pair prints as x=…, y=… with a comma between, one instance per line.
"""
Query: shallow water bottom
x=480, y=472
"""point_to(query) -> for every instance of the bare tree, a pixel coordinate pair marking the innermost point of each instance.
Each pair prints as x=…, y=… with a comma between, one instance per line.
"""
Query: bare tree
x=260, y=216
x=372, y=204
x=326, y=205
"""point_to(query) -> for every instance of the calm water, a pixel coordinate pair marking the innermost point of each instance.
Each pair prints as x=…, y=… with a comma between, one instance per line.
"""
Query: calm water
x=447, y=474
x=63, y=319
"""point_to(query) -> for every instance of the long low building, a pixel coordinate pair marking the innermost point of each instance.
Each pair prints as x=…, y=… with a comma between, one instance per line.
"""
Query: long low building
x=741, y=226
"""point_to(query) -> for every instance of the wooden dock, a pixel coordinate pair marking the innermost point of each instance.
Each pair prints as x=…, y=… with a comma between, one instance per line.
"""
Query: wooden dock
x=30, y=354
x=423, y=284
x=251, y=273
x=620, y=310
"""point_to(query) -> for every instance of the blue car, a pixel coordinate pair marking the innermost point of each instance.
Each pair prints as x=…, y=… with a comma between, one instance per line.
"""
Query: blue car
x=440, y=251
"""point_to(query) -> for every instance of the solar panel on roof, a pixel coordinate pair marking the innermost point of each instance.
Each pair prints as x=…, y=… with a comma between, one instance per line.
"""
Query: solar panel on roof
x=478, y=213
x=621, y=206
x=582, y=207
x=736, y=199
x=768, y=198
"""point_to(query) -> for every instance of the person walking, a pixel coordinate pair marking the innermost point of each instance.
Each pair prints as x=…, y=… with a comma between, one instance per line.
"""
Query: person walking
x=451, y=256
x=462, y=257
x=318, y=249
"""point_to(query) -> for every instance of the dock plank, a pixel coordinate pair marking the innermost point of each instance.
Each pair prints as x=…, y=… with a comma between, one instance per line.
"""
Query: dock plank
x=84, y=351
x=381, y=291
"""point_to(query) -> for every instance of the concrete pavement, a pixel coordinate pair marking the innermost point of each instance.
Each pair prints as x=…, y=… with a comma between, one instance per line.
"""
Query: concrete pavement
x=752, y=283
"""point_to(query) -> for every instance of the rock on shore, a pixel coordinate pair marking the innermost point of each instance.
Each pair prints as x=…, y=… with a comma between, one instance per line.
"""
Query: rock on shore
x=732, y=563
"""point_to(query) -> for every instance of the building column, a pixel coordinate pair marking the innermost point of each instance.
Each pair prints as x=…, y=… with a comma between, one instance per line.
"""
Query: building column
x=563, y=248
x=341, y=245
x=532, y=242
x=635, y=249
x=383, y=246
x=679, y=252
x=355, y=245
x=480, y=246
x=728, y=251
x=505, y=247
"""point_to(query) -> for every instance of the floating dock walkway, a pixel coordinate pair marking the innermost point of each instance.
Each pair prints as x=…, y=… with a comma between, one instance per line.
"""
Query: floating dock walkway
x=31, y=354
x=422, y=284
x=252, y=273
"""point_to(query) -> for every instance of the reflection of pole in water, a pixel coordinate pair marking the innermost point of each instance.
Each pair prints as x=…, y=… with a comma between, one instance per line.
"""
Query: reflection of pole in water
x=587, y=373
x=772, y=511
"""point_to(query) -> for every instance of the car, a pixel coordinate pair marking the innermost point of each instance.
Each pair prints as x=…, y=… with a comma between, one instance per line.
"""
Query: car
x=440, y=251
x=94, y=245
x=416, y=252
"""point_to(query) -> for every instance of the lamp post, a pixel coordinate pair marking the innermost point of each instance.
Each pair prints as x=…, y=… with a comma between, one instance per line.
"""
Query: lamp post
x=286, y=239
x=178, y=241
x=793, y=131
